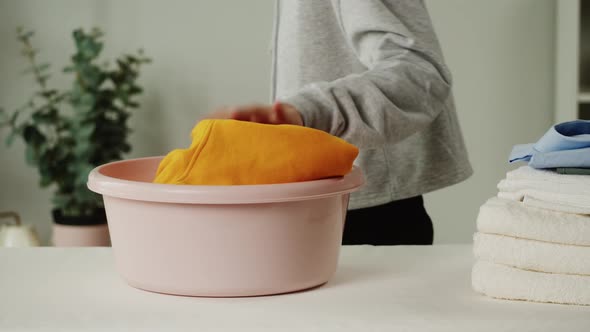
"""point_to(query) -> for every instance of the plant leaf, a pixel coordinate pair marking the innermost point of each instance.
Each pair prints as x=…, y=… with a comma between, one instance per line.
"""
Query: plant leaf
x=48, y=117
x=32, y=135
x=42, y=67
x=61, y=200
x=13, y=118
x=83, y=172
x=85, y=131
x=31, y=155
x=10, y=138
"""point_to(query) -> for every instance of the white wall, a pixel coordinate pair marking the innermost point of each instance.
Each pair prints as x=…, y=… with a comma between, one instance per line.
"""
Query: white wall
x=501, y=54
x=207, y=54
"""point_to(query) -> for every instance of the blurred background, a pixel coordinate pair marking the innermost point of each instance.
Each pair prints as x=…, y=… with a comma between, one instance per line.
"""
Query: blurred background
x=516, y=67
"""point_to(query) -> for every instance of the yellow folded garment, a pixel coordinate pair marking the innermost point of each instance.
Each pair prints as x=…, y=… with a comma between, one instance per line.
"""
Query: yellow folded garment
x=232, y=152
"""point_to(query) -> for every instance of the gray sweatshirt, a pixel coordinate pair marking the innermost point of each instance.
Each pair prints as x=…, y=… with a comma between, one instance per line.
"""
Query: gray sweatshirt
x=372, y=72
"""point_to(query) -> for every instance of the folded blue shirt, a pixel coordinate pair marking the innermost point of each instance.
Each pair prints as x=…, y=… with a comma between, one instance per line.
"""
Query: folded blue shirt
x=564, y=145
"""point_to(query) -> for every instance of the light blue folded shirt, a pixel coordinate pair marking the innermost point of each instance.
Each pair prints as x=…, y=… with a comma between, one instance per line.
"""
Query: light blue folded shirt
x=566, y=144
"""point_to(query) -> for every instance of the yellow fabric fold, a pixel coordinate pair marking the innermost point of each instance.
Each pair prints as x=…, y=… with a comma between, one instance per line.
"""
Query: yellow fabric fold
x=232, y=152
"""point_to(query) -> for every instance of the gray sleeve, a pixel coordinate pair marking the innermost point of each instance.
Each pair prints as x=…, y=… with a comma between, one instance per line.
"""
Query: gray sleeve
x=406, y=84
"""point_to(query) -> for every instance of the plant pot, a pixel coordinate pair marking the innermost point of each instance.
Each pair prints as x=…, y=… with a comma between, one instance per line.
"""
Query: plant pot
x=80, y=231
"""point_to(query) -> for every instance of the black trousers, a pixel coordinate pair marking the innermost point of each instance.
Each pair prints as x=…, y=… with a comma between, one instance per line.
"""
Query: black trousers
x=400, y=222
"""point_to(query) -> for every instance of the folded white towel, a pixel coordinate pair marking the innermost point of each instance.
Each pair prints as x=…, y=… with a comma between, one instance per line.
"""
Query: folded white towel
x=512, y=218
x=554, y=202
x=532, y=255
x=544, y=178
x=547, y=189
x=550, y=201
x=504, y=282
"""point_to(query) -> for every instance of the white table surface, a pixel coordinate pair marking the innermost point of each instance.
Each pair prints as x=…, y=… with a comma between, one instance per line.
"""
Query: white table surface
x=420, y=288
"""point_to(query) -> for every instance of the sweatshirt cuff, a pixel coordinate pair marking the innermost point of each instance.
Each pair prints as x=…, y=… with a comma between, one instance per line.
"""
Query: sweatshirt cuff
x=306, y=108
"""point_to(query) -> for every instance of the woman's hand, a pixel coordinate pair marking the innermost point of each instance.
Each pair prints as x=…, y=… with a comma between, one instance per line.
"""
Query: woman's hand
x=277, y=113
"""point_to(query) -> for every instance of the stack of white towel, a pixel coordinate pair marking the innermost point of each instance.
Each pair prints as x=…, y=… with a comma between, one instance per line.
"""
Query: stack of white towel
x=533, y=240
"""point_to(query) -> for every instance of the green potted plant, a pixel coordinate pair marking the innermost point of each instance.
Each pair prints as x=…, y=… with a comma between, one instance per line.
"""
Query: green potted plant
x=69, y=132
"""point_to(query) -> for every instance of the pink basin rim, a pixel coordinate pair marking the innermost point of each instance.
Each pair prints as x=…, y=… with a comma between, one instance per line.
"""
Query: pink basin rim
x=242, y=194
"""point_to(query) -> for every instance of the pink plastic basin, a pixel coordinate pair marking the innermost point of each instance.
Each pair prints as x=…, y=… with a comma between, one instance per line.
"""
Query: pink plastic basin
x=222, y=240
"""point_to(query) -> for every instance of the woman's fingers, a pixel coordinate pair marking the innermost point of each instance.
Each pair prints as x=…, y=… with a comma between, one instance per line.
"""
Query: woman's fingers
x=253, y=113
x=276, y=113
